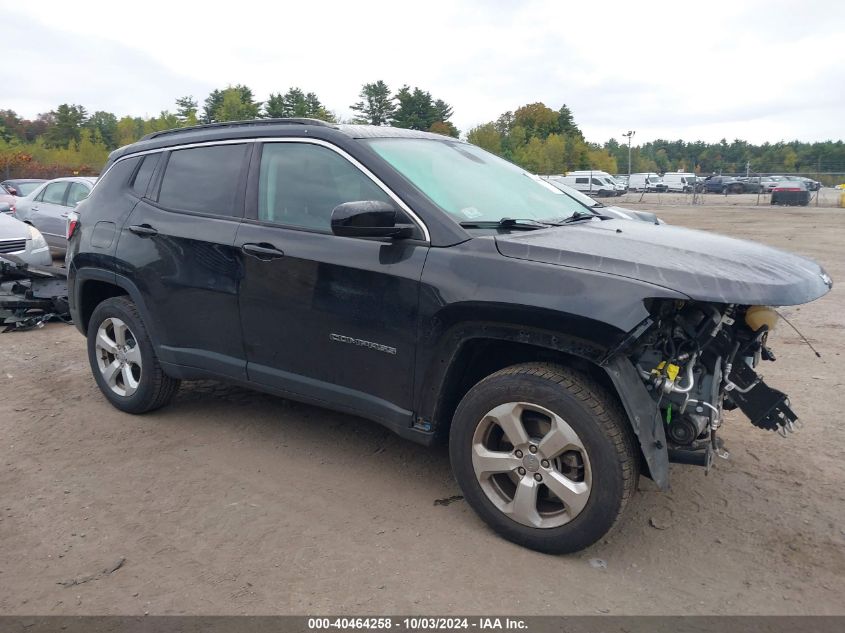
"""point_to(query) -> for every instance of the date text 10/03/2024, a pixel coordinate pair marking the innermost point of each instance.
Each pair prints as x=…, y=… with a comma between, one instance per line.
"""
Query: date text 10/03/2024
x=419, y=623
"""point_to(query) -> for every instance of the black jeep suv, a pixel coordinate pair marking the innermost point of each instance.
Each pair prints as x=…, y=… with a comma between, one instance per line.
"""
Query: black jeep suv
x=424, y=283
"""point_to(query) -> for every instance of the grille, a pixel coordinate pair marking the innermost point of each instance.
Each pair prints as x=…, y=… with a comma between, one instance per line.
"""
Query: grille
x=12, y=246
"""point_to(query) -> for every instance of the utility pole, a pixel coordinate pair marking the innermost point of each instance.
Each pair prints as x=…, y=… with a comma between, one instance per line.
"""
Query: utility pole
x=629, y=135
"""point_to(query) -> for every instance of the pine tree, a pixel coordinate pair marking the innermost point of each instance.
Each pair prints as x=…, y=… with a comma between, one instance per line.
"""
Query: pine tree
x=376, y=106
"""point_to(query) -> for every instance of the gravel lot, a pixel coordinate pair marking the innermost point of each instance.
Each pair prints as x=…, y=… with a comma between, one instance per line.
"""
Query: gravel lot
x=232, y=502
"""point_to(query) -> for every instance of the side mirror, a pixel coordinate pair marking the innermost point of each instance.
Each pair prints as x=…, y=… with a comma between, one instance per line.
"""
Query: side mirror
x=368, y=218
x=12, y=190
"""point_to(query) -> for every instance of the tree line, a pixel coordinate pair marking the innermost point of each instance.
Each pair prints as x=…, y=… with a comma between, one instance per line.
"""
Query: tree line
x=70, y=139
x=540, y=139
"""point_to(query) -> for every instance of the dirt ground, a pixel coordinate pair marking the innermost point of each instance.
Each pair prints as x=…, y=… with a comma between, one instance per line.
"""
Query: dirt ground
x=231, y=502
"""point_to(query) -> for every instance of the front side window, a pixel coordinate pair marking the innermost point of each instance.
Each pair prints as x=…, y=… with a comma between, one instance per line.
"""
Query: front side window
x=54, y=193
x=301, y=183
x=77, y=192
x=471, y=184
x=203, y=179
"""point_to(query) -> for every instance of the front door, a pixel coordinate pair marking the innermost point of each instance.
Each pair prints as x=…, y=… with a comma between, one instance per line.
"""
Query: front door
x=333, y=319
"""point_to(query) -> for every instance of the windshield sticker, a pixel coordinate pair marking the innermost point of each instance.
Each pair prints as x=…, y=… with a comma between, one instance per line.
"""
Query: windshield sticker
x=471, y=212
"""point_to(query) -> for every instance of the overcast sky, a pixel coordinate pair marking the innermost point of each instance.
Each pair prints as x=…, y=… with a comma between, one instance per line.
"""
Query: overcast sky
x=760, y=71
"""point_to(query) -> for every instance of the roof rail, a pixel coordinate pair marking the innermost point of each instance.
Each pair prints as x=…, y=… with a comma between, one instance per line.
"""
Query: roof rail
x=225, y=124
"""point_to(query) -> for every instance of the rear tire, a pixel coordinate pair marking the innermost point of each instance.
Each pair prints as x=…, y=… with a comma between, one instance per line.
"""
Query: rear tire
x=123, y=360
x=544, y=455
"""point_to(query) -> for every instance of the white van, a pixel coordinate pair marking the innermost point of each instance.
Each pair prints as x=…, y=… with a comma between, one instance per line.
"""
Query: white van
x=680, y=181
x=619, y=187
x=591, y=185
x=648, y=181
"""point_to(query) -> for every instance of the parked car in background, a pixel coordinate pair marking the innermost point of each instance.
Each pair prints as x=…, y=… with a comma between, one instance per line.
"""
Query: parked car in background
x=23, y=241
x=646, y=182
x=729, y=184
x=591, y=185
x=8, y=203
x=599, y=208
x=812, y=185
x=680, y=181
x=792, y=193
x=21, y=187
x=47, y=207
x=767, y=183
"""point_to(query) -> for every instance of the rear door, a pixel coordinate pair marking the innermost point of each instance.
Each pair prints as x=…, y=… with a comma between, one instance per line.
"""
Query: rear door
x=46, y=212
x=177, y=246
x=333, y=319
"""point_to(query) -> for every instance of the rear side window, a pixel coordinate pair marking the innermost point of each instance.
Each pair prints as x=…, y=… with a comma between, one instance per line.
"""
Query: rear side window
x=77, y=193
x=203, y=179
x=581, y=181
x=55, y=193
x=144, y=174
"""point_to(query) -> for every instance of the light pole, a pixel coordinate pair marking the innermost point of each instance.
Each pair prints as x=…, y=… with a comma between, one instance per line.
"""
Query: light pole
x=629, y=135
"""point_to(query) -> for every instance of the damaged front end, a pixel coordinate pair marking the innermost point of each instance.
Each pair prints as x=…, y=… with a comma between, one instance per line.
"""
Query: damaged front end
x=31, y=295
x=697, y=360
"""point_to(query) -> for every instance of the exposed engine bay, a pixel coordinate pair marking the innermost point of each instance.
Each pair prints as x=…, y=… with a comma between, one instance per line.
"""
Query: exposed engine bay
x=698, y=360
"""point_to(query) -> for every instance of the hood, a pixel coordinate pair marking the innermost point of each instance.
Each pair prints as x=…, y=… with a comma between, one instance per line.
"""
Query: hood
x=12, y=229
x=703, y=266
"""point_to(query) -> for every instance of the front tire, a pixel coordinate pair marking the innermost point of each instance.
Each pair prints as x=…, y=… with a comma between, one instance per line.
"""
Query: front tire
x=544, y=455
x=123, y=360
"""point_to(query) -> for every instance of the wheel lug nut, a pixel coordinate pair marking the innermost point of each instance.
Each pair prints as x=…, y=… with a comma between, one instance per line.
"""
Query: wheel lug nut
x=538, y=477
x=532, y=448
x=545, y=463
x=520, y=470
x=518, y=453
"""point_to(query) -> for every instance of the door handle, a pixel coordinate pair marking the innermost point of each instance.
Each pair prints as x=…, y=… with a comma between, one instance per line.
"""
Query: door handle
x=144, y=230
x=262, y=251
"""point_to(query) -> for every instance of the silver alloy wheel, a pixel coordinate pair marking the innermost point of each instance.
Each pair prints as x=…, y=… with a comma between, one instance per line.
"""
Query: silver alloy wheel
x=531, y=465
x=118, y=356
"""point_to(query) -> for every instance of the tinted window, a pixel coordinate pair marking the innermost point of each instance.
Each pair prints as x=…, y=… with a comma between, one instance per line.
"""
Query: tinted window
x=77, y=192
x=300, y=184
x=581, y=181
x=203, y=179
x=596, y=181
x=145, y=172
x=55, y=192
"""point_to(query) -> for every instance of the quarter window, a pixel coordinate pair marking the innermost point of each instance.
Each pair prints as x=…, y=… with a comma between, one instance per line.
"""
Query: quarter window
x=145, y=172
x=203, y=179
x=301, y=183
x=54, y=193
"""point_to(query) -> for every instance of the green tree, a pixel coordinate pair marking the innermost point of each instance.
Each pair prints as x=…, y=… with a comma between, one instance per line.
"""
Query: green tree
x=415, y=110
x=105, y=124
x=67, y=128
x=186, y=110
x=486, y=137
x=376, y=106
x=240, y=104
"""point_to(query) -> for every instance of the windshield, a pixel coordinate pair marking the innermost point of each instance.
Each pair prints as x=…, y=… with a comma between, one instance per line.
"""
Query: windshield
x=471, y=184
x=584, y=199
x=26, y=188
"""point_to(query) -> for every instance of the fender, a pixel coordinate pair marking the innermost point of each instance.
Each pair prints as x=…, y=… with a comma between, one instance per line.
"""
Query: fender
x=76, y=283
x=642, y=411
x=442, y=346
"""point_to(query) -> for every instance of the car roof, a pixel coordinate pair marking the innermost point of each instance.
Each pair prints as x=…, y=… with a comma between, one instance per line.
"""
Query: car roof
x=232, y=130
x=25, y=180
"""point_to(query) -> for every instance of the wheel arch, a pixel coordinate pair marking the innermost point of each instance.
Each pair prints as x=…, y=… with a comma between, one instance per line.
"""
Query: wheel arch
x=92, y=286
x=474, y=351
